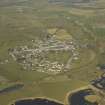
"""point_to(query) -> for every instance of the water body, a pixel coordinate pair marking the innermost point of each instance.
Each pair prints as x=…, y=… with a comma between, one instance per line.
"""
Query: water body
x=12, y=88
x=100, y=82
x=37, y=101
x=78, y=98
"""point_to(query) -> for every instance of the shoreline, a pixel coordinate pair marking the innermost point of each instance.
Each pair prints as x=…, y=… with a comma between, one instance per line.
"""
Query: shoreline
x=33, y=98
x=66, y=101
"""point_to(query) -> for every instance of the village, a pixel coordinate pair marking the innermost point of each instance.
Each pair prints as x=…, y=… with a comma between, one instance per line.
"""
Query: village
x=34, y=57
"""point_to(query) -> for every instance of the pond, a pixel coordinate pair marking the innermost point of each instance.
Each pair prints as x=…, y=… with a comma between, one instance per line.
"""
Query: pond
x=37, y=101
x=78, y=98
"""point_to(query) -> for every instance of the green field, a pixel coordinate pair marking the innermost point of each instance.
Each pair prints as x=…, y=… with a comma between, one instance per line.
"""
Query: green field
x=25, y=21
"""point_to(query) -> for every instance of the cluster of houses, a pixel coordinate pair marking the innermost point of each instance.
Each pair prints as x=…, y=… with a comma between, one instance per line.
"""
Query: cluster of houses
x=50, y=67
x=33, y=57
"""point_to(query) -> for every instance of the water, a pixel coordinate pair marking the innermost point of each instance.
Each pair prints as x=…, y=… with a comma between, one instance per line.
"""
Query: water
x=78, y=98
x=37, y=101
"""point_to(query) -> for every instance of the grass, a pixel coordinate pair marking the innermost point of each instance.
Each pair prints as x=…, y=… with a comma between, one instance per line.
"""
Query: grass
x=59, y=56
x=63, y=35
x=58, y=90
x=52, y=31
x=55, y=91
x=92, y=98
x=14, y=72
x=84, y=54
x=35, y=22
x=82, y=12
x=5, y=85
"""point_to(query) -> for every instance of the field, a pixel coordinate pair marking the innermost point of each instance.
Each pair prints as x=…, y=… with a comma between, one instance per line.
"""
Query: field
x=69, y=36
